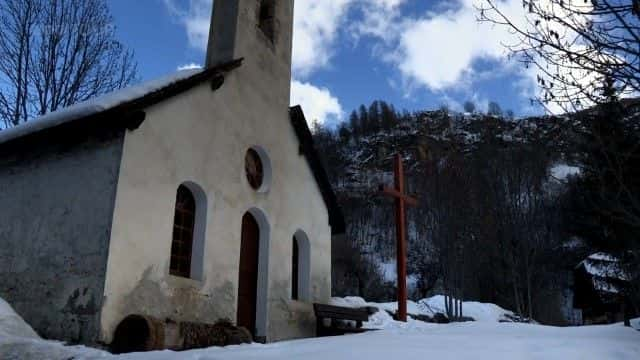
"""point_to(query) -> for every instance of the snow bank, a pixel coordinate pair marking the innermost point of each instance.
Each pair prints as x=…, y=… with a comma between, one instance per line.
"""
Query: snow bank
x=484, y=312
x=481, y=312
x=635, y=323
x=563, y=171
x=18, y=341
x=11, y=324
x=381, y=319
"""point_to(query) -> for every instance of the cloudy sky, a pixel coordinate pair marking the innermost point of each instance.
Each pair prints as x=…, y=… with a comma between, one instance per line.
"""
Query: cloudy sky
x=415, y=54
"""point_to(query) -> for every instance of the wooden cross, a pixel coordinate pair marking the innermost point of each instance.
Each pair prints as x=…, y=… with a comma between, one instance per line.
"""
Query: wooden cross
x=401, y=201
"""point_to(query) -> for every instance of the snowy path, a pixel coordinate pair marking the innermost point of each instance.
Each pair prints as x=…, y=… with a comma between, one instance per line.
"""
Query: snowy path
x=476, y=341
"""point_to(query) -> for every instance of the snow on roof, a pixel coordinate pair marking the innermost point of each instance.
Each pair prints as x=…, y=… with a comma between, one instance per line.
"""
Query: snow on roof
x=95, y=105
x=603, y=266
x=604, y=286
x=602, y=257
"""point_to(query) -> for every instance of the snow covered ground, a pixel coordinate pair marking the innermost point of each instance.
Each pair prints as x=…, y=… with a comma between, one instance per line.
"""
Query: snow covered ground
x=486, y=339
x=479, y=311
x=479, y=341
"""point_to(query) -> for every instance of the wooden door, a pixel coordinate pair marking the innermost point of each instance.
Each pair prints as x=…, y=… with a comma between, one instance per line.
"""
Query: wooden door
x=248, y=274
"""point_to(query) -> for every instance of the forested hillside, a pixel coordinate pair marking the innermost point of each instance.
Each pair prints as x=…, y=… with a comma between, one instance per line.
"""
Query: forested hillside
x=494, y=192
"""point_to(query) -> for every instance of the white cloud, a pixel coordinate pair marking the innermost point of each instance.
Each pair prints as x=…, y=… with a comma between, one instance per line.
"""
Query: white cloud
x=380, y=18
x=316, y=27
x=318, y=103
x=316, y=24
x=191, y=66
x=438, y=50
x=195, y=17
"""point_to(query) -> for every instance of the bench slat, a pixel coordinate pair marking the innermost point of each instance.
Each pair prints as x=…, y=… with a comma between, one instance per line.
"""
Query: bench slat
x=342, y=316
x=340, y=313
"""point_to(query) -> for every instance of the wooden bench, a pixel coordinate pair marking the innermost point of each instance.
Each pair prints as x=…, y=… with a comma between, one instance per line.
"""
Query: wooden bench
x=338, y=315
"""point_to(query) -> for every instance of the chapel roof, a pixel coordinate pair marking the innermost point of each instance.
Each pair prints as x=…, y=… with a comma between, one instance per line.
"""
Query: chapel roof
x=307, y=148
x=121, y=101
x=124, y=108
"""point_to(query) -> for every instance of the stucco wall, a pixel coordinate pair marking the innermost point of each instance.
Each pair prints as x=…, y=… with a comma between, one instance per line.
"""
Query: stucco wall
x=56, y=206
x=202, y=136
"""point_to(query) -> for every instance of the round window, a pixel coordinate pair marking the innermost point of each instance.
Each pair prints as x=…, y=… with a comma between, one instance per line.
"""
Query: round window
x=254, y=169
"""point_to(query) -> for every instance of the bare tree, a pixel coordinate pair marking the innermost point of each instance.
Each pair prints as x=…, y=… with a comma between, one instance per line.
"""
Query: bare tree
x=587, y=53
x=580, y=48
x=54, y=53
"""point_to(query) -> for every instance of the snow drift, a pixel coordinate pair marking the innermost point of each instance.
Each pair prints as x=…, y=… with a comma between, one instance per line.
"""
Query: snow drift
x=18, y=341
x=11, y=324
x=481, y=312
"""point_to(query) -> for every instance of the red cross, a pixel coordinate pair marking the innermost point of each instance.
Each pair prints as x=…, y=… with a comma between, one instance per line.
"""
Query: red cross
x=401, y=201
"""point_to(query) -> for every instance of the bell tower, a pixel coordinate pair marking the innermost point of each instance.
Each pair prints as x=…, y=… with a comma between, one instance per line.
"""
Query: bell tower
x=261, y=32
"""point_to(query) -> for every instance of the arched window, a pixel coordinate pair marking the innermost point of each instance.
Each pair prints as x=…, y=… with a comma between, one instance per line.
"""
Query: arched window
x=300, y=267
x=183, y=231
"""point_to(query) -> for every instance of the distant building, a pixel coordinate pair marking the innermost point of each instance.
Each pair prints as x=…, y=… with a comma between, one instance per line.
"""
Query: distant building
x=599, y=285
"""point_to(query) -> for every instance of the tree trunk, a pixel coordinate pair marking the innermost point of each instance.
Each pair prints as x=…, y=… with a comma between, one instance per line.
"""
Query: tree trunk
x=516, y=297
x=625, y=313
x=446, y=303
x=529, y=301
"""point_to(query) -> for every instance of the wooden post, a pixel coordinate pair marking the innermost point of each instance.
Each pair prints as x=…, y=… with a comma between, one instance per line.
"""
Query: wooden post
x=401, y=201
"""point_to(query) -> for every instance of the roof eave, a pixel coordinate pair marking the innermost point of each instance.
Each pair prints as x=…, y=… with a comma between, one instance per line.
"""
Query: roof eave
x=130, y=114
x=307, y=148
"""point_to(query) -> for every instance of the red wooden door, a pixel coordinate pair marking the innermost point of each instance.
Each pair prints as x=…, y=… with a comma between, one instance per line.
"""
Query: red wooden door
x=248, y=274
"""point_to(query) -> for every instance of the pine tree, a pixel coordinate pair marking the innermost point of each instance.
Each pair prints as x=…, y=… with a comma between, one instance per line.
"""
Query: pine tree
x=364, y=119
x=354, y=123
x=373, y=124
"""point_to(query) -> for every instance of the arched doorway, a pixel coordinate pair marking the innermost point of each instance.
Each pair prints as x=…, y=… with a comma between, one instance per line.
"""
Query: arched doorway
x=248, y=273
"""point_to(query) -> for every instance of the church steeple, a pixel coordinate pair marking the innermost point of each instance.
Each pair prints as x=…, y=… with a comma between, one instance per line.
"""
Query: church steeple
x=260, y=32
x=241, y=28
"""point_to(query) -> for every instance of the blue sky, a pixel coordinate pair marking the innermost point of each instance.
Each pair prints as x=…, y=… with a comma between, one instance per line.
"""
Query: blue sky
x=416, y=54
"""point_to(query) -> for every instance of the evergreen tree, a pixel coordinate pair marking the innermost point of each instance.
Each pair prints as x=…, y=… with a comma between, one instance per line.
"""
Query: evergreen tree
x=387, y=115
x=469, y=106
x=494, y=109
x=343, y=132
x=364, y=119
x=354, y=123
x=373, y=124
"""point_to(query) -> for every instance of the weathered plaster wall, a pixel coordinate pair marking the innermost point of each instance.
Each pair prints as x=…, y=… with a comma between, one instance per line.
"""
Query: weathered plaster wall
x=56, y=207
x=202, y=136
